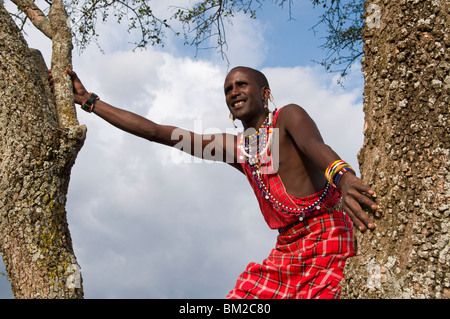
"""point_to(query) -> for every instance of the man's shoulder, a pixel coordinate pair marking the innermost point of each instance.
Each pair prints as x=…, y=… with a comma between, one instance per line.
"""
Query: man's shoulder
x=291, y=112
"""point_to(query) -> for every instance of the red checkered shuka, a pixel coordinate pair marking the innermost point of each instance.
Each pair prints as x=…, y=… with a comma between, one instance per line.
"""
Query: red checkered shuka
x=307, y=262
x=309, y=258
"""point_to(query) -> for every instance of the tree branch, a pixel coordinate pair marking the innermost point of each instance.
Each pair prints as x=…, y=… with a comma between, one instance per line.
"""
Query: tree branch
x=62, y=58
x=36, y=16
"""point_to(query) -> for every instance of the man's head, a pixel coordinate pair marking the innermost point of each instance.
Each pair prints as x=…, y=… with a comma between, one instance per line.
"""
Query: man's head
x=246, y=92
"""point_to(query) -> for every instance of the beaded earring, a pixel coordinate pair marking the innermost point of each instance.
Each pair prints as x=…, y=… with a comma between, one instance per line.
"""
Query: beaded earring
x=270, y=99
x=232, y=119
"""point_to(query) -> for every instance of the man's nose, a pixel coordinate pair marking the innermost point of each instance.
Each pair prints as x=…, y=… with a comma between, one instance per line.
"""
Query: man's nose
x=235, y=91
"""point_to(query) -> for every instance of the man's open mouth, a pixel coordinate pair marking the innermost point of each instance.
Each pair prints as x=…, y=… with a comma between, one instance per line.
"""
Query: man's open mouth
x=238, y=103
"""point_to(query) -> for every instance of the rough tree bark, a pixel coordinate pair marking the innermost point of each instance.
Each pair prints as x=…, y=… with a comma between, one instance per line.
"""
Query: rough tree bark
x=39, y=141
x=405, y=155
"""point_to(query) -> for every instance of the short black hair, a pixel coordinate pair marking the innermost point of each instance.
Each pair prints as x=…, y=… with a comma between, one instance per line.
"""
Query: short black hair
x=259, y=76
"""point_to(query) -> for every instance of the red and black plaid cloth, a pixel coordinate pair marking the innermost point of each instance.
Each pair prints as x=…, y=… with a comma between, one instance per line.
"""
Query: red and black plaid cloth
x=307, y=262
x=309, y=258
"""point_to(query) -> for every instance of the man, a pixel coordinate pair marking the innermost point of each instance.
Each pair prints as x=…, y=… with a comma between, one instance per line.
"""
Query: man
x=301, y=184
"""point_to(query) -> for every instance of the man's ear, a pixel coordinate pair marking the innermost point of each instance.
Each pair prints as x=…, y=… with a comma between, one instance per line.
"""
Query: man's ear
x=266, y=94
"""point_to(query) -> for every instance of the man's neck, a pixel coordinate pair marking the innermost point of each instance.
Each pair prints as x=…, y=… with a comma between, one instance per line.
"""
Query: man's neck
x=257, y=121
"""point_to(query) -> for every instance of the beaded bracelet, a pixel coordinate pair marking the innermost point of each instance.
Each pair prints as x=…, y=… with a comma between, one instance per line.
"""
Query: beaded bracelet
x=339, y=174
x=331, y=169
x=88, y=104
x=335, y=170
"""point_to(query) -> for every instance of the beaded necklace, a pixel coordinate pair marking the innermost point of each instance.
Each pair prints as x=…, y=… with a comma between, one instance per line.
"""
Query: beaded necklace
x=259, y=138
x=263, y=139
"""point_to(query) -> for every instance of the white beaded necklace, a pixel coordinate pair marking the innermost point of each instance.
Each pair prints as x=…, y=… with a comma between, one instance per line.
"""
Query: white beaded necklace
x=255, y=158
x=254, y=161
x=293, y=211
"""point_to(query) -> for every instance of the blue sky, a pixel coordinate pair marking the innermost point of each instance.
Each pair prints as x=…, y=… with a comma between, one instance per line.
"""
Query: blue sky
x=153, y=224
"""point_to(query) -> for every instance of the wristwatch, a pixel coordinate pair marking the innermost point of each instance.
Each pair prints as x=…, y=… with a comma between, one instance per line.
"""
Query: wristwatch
x=88, y=104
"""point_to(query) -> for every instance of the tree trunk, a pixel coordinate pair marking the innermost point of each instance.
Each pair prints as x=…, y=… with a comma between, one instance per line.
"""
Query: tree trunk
x=405, y=156
x=37, y=150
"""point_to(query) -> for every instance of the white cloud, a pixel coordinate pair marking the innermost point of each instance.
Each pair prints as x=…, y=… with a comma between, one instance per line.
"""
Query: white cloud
x=188, y=89
x=246, y=43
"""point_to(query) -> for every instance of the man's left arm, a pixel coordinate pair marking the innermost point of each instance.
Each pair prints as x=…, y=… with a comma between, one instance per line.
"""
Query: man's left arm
x=299, y=125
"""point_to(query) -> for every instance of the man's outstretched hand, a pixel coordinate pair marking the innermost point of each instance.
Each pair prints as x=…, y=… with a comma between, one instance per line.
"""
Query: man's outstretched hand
x=80, y=93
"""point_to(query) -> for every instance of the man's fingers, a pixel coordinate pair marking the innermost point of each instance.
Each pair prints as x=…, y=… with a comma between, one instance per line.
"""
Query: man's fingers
x=366, y=201
x=70, y=72
x=361, y=193
x=365, y=189
x=355, y=195
x=360, y=218
x=355, y=220
x=50, y=78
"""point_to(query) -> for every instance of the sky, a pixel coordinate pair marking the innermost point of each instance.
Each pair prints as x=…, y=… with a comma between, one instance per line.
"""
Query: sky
x=149, y=222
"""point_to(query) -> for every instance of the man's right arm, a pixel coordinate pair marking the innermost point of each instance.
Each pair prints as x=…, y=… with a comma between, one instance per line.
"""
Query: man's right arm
x=134, y=123
x=219, y=147
x=122, y=119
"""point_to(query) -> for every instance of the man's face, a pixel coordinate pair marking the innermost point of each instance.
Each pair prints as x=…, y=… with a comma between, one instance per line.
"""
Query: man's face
x=243, y=94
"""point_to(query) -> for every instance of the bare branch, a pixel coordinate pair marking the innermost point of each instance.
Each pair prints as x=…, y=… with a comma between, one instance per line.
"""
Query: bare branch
x=343, y=43
x=136, y=13
x=206, y=20
x=36, y=16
